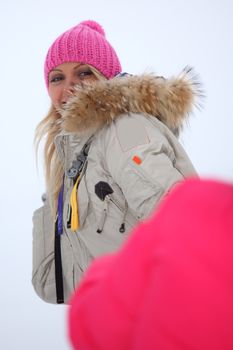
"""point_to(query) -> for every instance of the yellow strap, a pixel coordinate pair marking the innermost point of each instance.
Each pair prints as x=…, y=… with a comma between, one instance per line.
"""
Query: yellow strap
x=74, y=207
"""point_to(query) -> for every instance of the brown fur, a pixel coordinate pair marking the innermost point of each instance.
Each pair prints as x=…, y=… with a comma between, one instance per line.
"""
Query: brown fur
x=169, y=100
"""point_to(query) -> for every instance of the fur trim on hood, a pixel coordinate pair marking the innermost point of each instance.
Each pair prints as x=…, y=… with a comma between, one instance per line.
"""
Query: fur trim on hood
x=95, y=105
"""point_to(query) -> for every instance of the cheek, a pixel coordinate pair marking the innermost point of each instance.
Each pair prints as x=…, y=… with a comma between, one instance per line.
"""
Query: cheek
x=55, y=95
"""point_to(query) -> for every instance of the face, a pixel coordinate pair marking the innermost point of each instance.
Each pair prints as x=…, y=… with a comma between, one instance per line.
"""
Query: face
x=64, y=77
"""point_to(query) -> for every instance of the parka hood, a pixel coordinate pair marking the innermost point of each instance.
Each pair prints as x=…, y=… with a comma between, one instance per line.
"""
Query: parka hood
x=94, y=105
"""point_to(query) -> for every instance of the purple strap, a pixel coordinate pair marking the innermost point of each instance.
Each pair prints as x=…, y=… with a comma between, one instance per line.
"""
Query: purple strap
x=60, y=211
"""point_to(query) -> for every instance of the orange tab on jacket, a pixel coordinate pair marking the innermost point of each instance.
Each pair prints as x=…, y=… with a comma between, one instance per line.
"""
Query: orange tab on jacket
x=137, y=160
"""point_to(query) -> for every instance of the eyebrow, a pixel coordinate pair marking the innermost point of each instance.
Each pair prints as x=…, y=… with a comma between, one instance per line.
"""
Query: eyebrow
x=56, y=70
x=60, y=70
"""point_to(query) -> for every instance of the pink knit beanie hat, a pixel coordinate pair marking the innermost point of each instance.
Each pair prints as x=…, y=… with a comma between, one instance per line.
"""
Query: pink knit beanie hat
x=84, y=43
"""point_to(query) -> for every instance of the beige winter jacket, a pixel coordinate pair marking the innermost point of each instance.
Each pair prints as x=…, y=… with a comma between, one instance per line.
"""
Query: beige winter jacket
x=134, y=150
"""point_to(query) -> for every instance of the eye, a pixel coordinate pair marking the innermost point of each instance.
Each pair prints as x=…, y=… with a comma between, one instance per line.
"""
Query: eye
x=85, y=73
x=56, y=78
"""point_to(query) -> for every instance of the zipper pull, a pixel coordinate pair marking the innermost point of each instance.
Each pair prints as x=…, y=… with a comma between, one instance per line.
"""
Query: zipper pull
x=122, y=227
x=103, y=190
x=74, y=223
x=103, y=216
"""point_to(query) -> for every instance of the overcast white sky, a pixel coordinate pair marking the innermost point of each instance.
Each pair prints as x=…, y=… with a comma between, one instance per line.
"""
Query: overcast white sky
x=161, y=36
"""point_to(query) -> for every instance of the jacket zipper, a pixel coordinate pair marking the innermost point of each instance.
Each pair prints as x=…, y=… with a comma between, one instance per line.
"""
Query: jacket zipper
x=116, y=203
x=103, y=217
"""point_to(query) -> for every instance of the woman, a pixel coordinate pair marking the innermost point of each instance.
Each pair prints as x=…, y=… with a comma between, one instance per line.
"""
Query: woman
x=111, y=154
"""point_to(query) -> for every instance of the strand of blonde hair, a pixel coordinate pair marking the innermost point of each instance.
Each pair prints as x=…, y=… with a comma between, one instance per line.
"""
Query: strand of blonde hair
x=49, y=128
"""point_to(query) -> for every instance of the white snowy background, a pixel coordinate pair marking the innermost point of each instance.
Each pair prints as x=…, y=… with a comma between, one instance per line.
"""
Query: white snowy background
x=151, y=35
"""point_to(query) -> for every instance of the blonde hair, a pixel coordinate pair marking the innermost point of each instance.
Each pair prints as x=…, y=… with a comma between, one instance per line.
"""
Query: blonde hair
x=49, y=128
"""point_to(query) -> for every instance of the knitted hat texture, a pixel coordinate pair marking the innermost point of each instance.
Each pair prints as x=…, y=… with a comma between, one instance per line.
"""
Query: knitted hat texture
x=85, y=43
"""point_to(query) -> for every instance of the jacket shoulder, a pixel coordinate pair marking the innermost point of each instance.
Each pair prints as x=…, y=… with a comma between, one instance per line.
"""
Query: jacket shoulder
x=130, y=131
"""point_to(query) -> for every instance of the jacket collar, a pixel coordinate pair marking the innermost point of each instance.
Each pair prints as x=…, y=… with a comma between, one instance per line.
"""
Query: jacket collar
x=169, y=100
x=68, y=146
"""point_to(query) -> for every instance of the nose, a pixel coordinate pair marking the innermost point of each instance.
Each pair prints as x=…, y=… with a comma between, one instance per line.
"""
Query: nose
x=68, y=90
x=69, y=86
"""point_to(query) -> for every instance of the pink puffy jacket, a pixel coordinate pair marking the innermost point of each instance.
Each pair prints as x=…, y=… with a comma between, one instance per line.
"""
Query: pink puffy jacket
x=170, y=287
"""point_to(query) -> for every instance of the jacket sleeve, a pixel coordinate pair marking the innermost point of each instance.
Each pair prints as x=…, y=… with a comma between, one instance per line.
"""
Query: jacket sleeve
x=143, y=164
x=43, y=274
